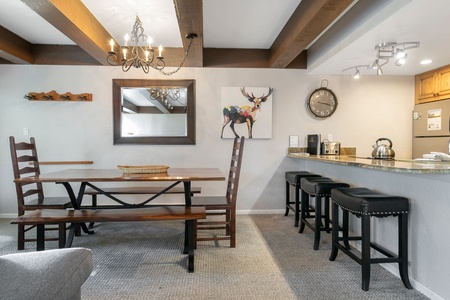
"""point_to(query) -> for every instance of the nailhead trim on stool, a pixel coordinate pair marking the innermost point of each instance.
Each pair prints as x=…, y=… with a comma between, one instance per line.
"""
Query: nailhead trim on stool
x=365, y=203
x=320, y=188
x=293, y=179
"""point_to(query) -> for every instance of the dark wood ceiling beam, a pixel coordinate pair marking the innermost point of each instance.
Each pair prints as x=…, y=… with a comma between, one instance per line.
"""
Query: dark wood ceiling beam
x=75, y=21
x=61, y=55
x=130, y=106
x=306, y=23
x=235, y=58
x=190, y=20
x=13, y=48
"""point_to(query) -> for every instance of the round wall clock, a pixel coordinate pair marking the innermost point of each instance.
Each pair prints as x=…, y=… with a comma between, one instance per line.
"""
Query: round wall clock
x=323, y=102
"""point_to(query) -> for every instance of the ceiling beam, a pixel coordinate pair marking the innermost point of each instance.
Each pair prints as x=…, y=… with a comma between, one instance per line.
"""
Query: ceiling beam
x=129, y=107
x=307, y=22
x=13, y=48
x=69, y=55
x=75, y=21
x=235, y=58
x=190, y=20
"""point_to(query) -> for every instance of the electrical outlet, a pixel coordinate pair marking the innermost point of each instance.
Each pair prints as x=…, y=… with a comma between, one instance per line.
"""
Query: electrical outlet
x=25, y=131
x=330, y=137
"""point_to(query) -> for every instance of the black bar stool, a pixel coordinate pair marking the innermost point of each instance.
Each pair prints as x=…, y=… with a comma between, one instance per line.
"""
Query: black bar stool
x=365, y=203
x=293, y=179
x=320, y=188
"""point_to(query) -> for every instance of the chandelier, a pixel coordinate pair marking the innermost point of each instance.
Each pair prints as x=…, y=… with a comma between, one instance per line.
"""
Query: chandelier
x=140, y=53
x=162, y=95
x=385, y=52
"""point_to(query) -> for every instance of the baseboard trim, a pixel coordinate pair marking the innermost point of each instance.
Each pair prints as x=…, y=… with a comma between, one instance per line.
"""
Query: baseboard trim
x=8, y=216
x=260, y=212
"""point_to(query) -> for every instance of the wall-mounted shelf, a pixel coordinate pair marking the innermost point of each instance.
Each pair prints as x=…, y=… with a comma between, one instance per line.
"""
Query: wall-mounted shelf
x=54, y=96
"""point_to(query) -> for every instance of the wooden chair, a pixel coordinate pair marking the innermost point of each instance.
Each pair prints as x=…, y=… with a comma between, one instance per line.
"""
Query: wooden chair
x=222, y=205
x=25, y=163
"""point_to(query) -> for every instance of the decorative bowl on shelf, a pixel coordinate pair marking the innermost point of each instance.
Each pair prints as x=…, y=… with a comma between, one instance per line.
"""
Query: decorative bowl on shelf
x=144, y=169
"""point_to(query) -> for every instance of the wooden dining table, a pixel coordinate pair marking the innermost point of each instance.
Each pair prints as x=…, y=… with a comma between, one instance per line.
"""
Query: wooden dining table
x=92, y=177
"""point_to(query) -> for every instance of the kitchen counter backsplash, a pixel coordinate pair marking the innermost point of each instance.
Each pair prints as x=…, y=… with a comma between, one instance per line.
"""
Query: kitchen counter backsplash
x=343, y=150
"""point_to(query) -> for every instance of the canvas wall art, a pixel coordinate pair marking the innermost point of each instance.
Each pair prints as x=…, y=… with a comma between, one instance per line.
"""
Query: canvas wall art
x=246, y=111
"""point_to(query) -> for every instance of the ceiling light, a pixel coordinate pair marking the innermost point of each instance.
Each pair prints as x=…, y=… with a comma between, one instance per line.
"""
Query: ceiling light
x=375, y=64
x=385, y=52
x=400, y=54
x=426, y=62
x=141, y=54
x=379, y=71
x=357, y=74
x=401, y=61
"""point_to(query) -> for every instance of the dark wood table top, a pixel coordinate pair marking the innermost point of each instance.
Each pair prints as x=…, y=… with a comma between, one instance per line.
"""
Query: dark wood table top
x=117, y=175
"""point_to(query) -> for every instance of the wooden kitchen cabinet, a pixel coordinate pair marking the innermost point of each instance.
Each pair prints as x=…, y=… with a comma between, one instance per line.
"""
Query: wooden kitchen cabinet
x=433, y=85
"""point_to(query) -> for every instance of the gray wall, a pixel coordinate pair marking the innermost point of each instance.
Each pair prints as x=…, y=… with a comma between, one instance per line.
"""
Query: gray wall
x=369, y=108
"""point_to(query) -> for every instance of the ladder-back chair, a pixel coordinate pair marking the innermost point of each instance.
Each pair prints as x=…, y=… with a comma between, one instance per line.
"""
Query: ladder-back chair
x=25, y=163
x=222, y=205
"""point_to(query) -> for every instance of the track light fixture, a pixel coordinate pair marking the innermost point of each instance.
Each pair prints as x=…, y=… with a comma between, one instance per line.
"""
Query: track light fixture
x=385, y=52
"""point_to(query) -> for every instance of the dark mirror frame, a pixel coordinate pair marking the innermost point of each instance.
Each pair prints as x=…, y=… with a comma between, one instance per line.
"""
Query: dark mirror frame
x=118, y=84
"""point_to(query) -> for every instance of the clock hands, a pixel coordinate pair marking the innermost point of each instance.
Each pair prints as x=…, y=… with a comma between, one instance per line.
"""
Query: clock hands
x=325, y=103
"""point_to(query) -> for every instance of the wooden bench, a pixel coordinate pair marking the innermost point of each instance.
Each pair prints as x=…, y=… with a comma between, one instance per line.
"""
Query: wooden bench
x=147, y=190
x=153, y=213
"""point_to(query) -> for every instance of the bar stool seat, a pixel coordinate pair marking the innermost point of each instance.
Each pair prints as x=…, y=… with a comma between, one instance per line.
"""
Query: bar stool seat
x=320, y=188
x=365, y=203
x=293, y=179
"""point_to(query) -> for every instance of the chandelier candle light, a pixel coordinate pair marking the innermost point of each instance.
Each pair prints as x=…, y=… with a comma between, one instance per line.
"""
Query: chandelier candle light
x=141, y=54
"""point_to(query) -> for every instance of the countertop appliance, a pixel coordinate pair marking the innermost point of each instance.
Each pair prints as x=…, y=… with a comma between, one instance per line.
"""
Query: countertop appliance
x=383, y=151
x=330, y=148
x=431, y=128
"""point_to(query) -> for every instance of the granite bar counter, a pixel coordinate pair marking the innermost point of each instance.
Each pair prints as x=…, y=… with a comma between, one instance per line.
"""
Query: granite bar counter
x=391, y=165
x=427, y=186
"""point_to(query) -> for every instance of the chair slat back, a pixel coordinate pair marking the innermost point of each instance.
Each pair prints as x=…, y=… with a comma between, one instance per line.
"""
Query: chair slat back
x=235, y=170
x=25, y=163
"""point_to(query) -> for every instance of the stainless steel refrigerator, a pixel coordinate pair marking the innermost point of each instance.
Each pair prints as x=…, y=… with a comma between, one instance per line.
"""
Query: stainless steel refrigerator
x=431, y=128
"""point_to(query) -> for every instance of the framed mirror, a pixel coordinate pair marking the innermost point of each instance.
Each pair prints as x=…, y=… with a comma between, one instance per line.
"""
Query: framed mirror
x=155, y=112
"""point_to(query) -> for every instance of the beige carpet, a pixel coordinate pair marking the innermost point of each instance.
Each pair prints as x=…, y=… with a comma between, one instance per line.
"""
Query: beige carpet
x=271, y=261
x=144, y=261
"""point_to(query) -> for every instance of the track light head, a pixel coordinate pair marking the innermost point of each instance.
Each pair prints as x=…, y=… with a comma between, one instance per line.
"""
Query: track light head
x=379, y=71
x=401, y=61
x=400, y=54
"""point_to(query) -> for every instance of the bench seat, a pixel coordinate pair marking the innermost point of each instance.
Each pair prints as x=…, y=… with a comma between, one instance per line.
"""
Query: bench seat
x=153, y=213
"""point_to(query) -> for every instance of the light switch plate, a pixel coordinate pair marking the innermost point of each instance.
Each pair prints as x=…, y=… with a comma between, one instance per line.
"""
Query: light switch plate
x=293, y=141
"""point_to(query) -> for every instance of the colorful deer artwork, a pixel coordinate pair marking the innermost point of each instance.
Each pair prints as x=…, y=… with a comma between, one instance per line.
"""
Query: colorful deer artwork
x=234, y=114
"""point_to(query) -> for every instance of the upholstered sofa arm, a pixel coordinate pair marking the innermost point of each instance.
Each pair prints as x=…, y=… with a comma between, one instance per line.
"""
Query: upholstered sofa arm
x=52, y=274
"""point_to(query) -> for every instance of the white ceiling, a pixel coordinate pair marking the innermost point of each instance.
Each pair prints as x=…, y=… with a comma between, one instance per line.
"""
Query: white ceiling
x=256, y=23
x=424, y=21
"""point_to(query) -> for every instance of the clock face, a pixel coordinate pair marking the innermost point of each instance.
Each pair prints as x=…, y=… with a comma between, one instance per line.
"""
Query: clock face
x=322, y=103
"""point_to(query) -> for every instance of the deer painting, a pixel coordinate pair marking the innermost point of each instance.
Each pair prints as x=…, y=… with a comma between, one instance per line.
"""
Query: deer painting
x=234, y=114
